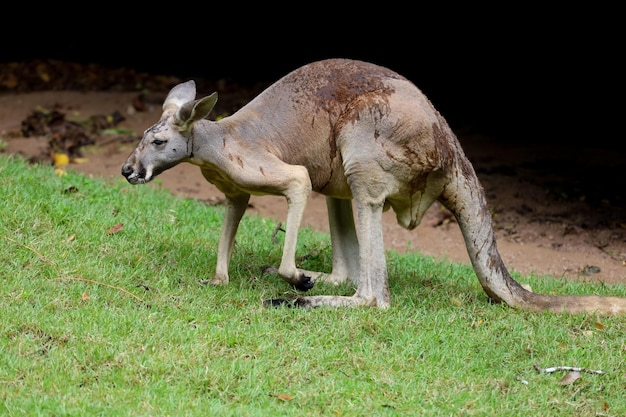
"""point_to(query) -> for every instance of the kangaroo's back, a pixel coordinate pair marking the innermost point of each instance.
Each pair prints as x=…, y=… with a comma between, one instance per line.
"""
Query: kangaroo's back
x=331, y=115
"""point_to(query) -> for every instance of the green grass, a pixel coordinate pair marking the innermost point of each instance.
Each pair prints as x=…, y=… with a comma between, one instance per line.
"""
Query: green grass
x=97, y=323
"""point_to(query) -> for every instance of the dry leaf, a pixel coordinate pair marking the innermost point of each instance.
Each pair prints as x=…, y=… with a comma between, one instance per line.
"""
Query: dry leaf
x=85, y=297
x=570, y=378
x=71, y=238
x=116, y=228
x=61, y=160
x=10, y=81
x=599, y=325
x=284, y=397
x=42, y=71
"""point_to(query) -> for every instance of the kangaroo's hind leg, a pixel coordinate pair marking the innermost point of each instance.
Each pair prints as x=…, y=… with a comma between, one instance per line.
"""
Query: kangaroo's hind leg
x=372, y=282
x=372, y=285
x=345, y=244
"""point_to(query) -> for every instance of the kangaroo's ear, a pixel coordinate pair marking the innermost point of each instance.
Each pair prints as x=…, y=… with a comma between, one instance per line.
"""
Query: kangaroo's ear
x=191, y=112
x=179, y=95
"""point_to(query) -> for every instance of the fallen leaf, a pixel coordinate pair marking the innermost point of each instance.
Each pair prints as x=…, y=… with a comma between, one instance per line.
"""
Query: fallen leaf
x=61, y=160
x=114, y=229
x=42, y=71
x=71, y=238
x=599, y=325
x=591, y=269
x=284, y=397
x=570, y=378
x=85, y=297
x=10, y=82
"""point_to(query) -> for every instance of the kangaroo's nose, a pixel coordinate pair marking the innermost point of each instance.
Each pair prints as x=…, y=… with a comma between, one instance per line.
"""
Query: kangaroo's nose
x=127, y=170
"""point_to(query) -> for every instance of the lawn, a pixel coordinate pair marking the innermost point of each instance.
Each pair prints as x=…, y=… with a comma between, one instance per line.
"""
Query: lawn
x=105, y=312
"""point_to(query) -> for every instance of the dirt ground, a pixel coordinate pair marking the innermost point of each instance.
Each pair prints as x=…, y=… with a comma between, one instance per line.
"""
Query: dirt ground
x=553, y=212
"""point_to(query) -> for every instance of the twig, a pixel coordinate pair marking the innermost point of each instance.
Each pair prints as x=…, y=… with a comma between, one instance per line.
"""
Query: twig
x=567, y=368
x=43, y=258
x=608, y=253
x=279, y=228
x=101, y=283
x=520, y=379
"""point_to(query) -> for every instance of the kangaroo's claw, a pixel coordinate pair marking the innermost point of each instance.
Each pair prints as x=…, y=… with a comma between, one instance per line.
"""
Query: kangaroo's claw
x=305, y=283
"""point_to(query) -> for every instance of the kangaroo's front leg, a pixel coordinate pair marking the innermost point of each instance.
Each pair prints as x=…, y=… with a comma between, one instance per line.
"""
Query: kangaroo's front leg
x=297, y=192
x=235, y=208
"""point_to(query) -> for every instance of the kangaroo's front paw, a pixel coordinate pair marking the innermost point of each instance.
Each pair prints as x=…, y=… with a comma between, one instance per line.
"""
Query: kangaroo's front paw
x=304, y=283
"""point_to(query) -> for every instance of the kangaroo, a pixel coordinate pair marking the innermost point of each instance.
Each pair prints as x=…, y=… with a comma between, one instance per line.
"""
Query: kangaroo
x=354, y=132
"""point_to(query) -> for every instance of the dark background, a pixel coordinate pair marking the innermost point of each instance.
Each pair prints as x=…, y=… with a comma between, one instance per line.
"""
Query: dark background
x=520, y=74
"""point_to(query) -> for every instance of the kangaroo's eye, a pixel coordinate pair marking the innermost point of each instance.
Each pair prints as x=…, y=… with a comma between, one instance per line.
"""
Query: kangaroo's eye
x=158, y=142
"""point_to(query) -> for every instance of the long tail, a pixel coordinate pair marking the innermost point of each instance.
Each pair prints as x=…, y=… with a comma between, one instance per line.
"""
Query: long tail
x=465, y=198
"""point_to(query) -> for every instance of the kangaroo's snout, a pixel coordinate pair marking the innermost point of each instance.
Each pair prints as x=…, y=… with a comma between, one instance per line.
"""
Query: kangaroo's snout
x=127, y=170
x=135, y=175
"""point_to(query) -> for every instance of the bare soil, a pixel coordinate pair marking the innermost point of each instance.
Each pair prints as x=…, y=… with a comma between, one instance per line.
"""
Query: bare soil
x=554, y=211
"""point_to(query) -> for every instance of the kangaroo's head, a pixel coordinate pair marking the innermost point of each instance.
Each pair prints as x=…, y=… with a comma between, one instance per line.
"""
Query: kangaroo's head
x=169, y=141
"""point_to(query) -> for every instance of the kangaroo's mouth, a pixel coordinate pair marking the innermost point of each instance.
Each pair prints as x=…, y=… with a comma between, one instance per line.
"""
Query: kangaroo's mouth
x=135, y=179
x=136, y=176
